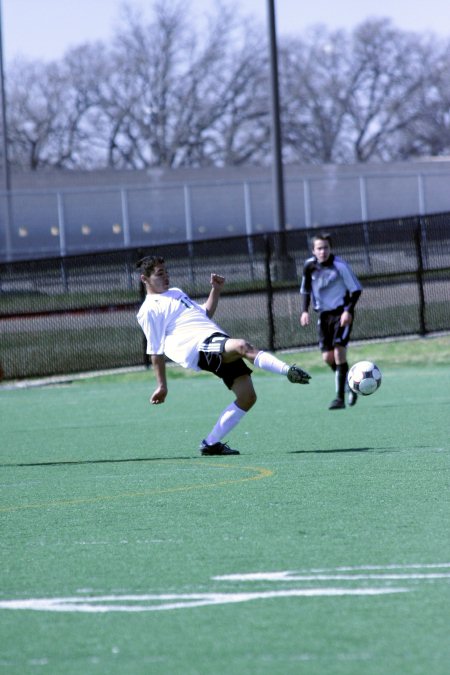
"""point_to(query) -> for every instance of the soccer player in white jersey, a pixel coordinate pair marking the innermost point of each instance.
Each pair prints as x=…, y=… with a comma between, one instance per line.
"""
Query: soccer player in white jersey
x=177, y=327
x=329, y=282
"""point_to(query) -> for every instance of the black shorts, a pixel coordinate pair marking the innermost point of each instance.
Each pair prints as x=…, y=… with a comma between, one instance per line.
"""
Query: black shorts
x=210, y=359
x=331, y=333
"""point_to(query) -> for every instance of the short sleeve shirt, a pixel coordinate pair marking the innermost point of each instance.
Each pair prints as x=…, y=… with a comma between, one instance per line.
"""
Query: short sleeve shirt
x=329, y=285
x=175, y=325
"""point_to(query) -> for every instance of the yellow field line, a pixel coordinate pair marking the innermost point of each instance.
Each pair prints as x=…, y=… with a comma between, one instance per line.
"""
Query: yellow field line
x=260, y=473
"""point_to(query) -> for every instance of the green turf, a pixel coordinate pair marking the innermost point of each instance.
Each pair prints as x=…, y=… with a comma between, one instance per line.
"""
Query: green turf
x=104, y=495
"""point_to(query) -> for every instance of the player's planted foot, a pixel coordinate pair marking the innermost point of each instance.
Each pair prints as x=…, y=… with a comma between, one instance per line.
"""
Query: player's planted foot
x=337, y=404
x=217, y=449
x=297, y=375
x=352, y=398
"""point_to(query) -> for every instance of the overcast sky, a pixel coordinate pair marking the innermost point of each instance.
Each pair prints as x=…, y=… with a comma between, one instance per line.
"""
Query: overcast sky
x=45, y=29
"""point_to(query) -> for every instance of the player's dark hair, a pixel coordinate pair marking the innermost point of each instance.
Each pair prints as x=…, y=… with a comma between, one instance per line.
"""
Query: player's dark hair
x=322, y=236
x=147, y=265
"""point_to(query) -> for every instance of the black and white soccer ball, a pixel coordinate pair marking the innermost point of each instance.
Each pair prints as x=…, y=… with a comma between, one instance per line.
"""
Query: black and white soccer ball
x=364, y=378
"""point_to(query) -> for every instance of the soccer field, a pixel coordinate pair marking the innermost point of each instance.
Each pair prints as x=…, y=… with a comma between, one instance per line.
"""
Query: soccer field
x=323, y=549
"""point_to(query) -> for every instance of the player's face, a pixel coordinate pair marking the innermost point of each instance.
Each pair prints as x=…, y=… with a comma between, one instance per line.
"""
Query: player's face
x=322, y=250
x=158, y=281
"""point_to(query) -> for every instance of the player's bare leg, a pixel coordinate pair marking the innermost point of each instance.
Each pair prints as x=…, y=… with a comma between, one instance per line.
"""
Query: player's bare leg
x=239, y=348
x=337, y=360
x=245, y=392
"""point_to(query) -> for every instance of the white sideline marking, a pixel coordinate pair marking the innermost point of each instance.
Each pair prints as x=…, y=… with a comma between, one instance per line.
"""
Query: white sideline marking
x=291, y=576
x=385, y=567
x=165, y=601
x=325, y=574
x=115, y=603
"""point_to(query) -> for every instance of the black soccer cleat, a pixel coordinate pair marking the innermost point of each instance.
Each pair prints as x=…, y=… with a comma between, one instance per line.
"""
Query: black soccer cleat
x=297, y=375
x=337, y=404
x=217, y=449
x=352, y=398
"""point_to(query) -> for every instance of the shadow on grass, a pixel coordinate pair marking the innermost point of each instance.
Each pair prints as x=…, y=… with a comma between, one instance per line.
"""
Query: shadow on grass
x=323, y=452
x=97, y=461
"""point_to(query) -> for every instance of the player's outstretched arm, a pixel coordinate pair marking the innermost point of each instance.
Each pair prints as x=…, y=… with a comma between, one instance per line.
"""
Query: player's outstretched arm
x=159, y=366
x=217, y=282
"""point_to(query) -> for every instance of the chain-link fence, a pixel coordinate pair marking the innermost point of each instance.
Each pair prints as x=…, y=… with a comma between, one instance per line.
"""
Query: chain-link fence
x=74, y=314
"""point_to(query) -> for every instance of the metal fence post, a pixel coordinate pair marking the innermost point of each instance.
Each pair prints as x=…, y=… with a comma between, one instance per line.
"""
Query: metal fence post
x=126, y=233
x=189, y=230
x=271, y=322
x=422, y=211
x=307, y=202
x=61, y=224
x=248, y=217
x=364, y=218
x=62, y=240
x=419, y=276
x=125, y=218
x=249, y=226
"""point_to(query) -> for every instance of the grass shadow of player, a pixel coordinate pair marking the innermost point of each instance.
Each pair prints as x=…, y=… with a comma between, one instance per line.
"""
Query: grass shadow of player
x=329, y=450
x=80, y=462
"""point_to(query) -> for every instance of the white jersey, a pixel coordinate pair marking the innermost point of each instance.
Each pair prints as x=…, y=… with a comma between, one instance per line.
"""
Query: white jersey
x=175, y=325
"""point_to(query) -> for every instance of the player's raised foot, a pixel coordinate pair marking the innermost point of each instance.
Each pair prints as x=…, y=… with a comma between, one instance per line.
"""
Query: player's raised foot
x=352, y=398
x=297, y=375
x=337, y=404
x=217, y=449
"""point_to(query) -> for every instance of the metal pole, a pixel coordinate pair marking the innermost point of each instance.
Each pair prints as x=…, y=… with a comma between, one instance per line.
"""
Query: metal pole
x=248, y=218
x=189, y=230
x=61, y=225
x=285, y=268
x=125, y=218
x=422, y=212
x=364, y=216
x=307, y=200
x=278, y=184
x=4, y=140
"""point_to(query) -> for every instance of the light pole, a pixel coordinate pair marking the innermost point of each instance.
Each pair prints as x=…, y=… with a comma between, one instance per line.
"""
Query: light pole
x=284, y=265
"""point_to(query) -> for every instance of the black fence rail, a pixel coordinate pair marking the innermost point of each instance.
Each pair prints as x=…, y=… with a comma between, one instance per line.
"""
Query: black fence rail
x=76, y=314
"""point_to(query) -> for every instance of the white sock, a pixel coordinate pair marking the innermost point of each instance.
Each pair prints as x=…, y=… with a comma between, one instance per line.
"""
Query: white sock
x=269, y=362
x=228, y=419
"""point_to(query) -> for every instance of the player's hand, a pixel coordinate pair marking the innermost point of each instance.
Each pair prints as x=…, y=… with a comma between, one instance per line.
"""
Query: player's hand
x=346, y=318
x=217, y=281
x=158, y=396
x=304, y=319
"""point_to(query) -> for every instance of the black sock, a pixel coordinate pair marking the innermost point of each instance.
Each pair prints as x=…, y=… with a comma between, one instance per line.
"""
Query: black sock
x=341, y=379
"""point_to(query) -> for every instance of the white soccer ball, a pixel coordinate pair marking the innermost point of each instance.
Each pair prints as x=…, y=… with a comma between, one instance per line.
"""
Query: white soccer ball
x=364, y=378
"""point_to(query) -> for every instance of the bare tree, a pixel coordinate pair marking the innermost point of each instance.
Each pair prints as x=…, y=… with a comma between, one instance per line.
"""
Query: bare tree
x=429, y=133
x=86, y=70
x=180, y=99
x=316, y=86
x=389, y=69
x=164, y=93
x=169, y=91
x=48, y=114
x=353, y=98
x=242, y=131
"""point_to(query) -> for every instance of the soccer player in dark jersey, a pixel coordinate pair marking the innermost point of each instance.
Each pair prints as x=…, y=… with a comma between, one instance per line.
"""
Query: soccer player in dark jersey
x=330, y=284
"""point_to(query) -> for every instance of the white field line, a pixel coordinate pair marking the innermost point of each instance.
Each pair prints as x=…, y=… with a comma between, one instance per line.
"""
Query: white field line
x=147, y=603
x=384, y=567
x=332, y=574
x=164, y=601
x=292, y=576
